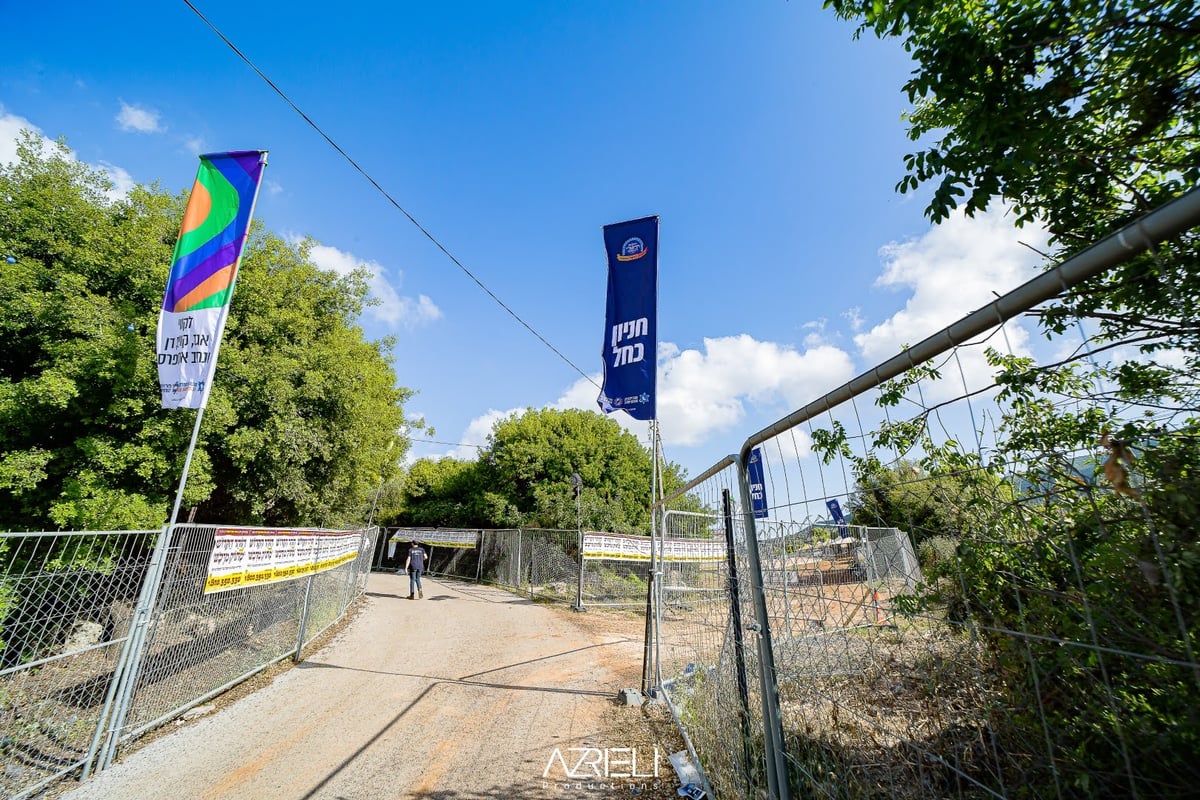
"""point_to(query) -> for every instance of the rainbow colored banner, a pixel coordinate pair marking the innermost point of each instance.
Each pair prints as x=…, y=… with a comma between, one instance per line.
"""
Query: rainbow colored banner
x=203, y=272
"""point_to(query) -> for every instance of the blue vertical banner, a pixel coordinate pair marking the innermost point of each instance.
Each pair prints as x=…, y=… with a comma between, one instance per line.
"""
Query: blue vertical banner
x=630, y=321
x=758, y=485
x=835, y=511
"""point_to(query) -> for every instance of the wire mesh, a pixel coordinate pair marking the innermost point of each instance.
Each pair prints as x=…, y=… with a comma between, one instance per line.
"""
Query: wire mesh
x=550, y=563
x=705, y=642
x=617, y=582
x=500, y=557
x=66, y=602
x=1048, y=646
x=451, y=551
x=978, y=561
x=198, y=644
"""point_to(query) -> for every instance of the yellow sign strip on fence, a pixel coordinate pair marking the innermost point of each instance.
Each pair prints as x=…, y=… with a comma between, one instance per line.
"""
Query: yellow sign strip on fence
x=244, y=557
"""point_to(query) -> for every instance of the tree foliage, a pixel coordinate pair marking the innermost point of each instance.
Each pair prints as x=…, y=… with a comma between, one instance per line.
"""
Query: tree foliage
x=523, y=477
x=1081, y=116
x=1081, y=113
x=304, y=416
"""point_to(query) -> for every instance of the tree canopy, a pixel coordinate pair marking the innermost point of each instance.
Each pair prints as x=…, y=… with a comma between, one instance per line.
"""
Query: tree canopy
x=1081, y=113
x=1082, y=116
x=305, y=416
x=523, y=477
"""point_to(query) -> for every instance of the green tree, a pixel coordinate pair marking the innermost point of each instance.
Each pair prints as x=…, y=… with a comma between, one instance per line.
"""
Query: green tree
x=523, y=477
x=305, y=414
x=1082, y=115
x=81, y=444
x=305, y=417
x=448, y=493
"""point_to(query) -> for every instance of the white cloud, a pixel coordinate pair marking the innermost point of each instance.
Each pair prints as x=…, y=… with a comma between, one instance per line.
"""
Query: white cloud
x=952, y=270
x=138, y=120
x=10, y=127
x=195, y=145
x=477, y=433
x=702, y=393
x=122, y=181
x=393, y=308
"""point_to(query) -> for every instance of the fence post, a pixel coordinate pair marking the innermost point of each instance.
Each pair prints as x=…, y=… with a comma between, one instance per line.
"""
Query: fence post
x=479, y=557
x=303, y=619
x=652, y=630
x=116, y=687
x=739, y=641
x=777, y=784
x=134, y=646
x=304, y=608
x=517, y=578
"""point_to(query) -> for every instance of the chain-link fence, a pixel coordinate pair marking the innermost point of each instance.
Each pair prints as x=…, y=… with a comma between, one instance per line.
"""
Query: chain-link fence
x=615, y=570
x=66, y=604
x=704, y=656
x=108, y=634
x=450, y=551
x=540, y=562
x=971, y=571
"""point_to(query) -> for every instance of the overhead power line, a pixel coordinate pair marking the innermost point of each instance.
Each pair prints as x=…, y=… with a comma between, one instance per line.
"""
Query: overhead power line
x=449, y=444
x=383, y=191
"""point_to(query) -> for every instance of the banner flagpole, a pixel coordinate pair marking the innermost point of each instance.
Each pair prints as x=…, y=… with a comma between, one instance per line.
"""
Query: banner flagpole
x=630, y=353
x=216, y=349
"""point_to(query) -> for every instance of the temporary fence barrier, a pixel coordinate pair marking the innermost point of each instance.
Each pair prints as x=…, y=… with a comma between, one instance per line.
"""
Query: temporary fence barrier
x=1019, y=620
x=546, y=563
x=106, y=635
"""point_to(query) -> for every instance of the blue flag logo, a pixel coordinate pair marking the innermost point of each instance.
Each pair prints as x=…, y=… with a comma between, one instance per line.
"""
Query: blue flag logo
x=758, y=485
x=835, y=511
x=630, y=321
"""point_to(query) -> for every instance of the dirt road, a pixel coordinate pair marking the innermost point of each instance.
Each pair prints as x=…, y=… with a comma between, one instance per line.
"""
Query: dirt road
x=469, y=693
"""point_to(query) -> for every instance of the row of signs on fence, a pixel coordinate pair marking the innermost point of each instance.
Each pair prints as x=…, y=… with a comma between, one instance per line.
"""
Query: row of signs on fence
x=615, y=547
x=244, y=557
x=463, y=539
x=596, y=546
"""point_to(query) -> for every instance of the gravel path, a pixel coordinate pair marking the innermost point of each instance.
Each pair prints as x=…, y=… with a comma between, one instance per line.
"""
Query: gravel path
x=465, y=694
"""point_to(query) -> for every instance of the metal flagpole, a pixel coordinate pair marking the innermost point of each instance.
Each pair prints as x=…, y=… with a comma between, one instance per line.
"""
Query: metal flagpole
x=649, y=686
x=154, y=576
x=657, y=494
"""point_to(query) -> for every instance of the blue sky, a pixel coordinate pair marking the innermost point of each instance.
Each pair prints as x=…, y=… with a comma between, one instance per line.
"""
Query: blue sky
x=764, y=136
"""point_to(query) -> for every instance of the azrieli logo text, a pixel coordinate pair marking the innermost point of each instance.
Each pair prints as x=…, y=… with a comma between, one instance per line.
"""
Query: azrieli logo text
x=590, y=763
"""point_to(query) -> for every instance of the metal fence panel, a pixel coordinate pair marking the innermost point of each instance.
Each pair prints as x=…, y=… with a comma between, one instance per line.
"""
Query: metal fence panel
x=500, y=557
x=83, y=615
x=66, y=602
x=1025, y=621
x=706, y=662
x=613, y=582
x=550, y=563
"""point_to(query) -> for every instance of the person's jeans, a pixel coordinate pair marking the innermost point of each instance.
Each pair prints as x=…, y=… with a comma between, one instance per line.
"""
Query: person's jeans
x=414, y=582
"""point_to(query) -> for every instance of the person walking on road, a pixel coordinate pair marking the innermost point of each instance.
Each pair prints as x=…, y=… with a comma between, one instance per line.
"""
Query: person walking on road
x=414, y=565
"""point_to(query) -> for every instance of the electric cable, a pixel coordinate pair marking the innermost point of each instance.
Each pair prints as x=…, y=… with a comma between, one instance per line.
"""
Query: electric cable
x=383, y=191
